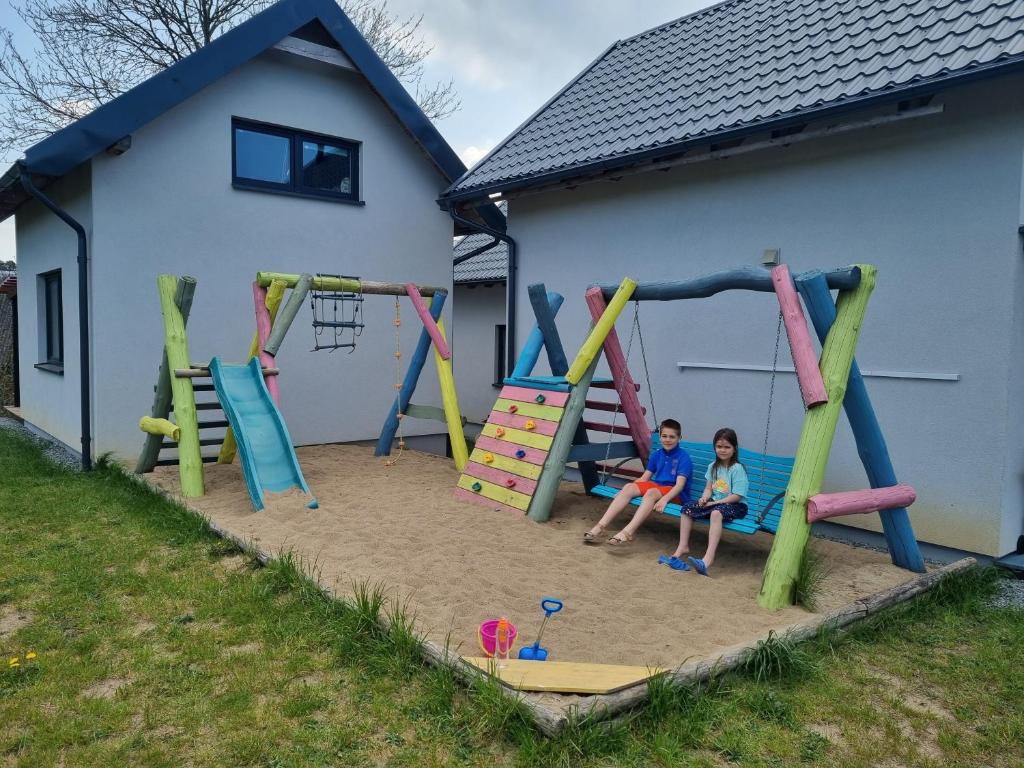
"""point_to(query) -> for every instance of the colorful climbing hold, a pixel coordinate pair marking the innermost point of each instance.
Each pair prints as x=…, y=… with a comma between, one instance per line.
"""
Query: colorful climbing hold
x=540, y=398
x=488, y=457
x=477, y=487
x=520, y=454
x=513, y=408
x=499, y=432
x=531, y=424
x=510, y=483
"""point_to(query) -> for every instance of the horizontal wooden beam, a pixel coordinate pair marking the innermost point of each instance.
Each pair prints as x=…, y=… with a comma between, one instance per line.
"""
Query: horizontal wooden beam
x=350, y=285
x=203, y=372
x=431, y=412
x=601, y=405
x=739, y=279
x=624, y=449
x=825, y=505
x=618, y=429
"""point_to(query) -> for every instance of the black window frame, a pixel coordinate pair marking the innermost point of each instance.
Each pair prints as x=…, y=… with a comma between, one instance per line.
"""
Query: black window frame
x=500, y=334
x=53, y=360
x=295, y=187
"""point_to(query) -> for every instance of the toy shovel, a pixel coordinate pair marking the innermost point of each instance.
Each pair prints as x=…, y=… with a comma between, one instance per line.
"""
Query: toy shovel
x=535, y=652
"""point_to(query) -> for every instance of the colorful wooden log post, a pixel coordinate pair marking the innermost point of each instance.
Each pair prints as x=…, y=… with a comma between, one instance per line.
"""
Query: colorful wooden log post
x=624, y=384
x=347, y=284
x=183, y=293
x=412, y=375
x=874, y=454
x=287, y=315
x=546, y=323
x=161, y=427
x=259, y=296
x=592, y=346
x=429, y=323
x=190, y=461
x=812, y=452
x=822, y=506
x=812, y=388
x=535, y=342
x=275, y=292
x=558, y=453
x=450, y=401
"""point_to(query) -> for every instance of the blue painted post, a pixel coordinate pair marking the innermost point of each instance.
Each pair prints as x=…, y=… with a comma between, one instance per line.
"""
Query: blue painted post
x=546, y=324
x=874, y=454
x=535, y=341
x=412, y=375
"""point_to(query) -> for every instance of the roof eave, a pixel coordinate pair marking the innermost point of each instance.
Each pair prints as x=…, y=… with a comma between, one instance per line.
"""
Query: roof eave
x=995, y=69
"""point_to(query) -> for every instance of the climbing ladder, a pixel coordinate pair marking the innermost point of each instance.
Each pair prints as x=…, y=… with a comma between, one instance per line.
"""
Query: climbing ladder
x=511, y=450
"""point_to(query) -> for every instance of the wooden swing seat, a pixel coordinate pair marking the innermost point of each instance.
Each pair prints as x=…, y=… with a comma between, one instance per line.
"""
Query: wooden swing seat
x=764, y=500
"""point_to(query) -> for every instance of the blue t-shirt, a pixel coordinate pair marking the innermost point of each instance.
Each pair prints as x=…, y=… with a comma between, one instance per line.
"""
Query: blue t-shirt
x=728, y=481
x=666, y=466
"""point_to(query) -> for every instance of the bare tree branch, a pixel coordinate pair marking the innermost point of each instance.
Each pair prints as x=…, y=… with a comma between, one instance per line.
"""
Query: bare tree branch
x=91, y=51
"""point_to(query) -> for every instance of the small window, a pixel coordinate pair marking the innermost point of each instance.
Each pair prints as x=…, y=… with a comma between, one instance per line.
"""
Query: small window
x=499, y=355
x=289, y=161
x=52, y=306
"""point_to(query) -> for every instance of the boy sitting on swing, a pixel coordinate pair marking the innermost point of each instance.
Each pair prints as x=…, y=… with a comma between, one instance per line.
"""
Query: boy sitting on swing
x=668, y=470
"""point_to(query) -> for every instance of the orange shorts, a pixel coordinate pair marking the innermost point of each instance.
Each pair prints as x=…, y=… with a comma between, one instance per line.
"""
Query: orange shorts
x=645, y=487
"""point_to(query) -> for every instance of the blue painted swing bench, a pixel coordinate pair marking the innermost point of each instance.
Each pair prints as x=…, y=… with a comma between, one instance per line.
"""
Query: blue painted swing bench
x=768, y=476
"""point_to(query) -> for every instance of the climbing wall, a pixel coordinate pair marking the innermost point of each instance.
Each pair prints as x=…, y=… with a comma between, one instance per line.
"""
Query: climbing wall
x=509, y=454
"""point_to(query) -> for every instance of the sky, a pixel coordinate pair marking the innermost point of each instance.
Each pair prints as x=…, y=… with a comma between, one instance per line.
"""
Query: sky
x=505, y=58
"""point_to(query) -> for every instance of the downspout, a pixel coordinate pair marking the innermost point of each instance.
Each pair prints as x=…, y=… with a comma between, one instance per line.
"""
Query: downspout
x=83, y=308
x=510, y=282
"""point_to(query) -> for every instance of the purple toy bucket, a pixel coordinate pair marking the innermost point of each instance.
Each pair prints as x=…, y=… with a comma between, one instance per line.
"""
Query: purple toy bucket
x=487, y=636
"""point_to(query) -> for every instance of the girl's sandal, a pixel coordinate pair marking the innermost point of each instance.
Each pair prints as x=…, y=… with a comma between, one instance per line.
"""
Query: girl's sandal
x=590, y=537
x=621, y=539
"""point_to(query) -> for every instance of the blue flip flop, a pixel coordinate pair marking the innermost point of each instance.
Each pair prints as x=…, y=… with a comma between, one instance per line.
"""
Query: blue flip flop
x=698, y=565
x=674, y=563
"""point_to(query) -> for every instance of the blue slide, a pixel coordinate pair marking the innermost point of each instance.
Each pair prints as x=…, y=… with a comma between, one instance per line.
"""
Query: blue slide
x=264, y=446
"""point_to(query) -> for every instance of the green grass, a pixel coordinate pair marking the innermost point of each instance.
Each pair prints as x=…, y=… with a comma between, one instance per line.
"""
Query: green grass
x=159, y=644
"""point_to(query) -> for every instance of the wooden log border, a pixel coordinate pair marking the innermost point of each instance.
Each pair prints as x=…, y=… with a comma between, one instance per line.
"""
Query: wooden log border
x=551, y=720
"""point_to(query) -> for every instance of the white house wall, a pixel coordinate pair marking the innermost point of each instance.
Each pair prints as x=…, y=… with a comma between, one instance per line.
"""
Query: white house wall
x=51, y=401
x=167, y=206
x=933, y=202
x=478, y=309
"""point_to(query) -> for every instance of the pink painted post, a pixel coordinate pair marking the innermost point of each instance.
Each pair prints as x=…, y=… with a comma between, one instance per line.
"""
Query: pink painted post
x=812, y=388
x=624, y=383
x=428, y=322
x=259, y=296
x=826, y=505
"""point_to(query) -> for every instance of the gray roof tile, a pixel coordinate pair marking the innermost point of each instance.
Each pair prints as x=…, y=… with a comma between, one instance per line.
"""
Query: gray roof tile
x=743, y=62
x=489, y=266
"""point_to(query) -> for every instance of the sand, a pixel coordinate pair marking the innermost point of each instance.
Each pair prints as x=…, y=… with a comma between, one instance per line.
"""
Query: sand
x=457, y=563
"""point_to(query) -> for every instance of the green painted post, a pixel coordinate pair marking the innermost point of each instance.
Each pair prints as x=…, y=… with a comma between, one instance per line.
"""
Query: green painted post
x=183, y=293
x=558, y=454
x=190, y=461
x=812, y=453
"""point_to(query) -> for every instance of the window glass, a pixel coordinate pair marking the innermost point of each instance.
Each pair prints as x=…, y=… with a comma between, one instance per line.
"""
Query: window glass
x=326, y=167
x=262, y=156
x=54, y=320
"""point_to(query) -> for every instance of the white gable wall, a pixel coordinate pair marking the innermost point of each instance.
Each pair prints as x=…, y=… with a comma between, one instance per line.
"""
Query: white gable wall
x=51, y=401
x=935, y=203
x=167, y=206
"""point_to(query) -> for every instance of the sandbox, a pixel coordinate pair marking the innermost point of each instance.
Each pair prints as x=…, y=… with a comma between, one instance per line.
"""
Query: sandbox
x=456, y=564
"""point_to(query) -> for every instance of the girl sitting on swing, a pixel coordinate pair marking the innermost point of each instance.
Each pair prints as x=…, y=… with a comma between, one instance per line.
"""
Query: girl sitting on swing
x=668, y=470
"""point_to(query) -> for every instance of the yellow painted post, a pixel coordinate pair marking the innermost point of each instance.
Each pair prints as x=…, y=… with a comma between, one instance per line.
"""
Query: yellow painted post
x=190, y=461
x=592, y=346
x=450, y=401
x=274, y=295
x=163, y=427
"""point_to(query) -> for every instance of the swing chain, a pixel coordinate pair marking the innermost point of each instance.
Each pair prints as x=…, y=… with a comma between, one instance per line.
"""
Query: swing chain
x=647, y=371
x=771, y=396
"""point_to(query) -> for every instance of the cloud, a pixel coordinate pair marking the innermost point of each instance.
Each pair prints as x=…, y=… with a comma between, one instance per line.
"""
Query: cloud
x=472, y=155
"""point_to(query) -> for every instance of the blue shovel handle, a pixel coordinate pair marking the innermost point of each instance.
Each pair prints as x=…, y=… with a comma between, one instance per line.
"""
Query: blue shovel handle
x=550, y=605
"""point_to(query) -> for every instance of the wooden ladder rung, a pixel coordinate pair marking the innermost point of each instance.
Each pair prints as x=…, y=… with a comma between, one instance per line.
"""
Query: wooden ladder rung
x=214, y=406
x=598, y=426
x=204, y=441
x=611, y=385
x=213, y=424
x=601, y=405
